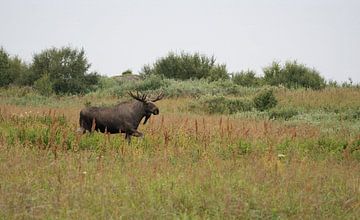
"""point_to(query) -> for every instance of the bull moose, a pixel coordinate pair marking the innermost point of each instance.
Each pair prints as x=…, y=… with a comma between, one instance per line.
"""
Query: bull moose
x=124, y=117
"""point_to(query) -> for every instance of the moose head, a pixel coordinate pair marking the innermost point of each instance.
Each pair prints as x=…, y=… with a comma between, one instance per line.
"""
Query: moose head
x=148, y=103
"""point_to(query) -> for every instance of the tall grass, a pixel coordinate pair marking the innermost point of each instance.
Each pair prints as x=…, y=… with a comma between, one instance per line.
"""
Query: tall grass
x=186, y=166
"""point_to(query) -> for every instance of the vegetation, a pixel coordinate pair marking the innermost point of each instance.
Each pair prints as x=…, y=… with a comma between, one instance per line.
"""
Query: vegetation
x=60, y=71
x=65, y=69
x=246, y=78
x=293, y=75
x=187, y=66
x=189, y=165
x=244, y=147
x=12, y=69
x=265, y=100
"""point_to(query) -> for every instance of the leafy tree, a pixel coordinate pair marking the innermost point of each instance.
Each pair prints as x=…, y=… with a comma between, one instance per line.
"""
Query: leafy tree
x=12, y=69
x=246, y=78
x=19, y=70
x=187, y=66
x=272, y=74
x=44, y=85
x=293, y=75
x=67, y=69
x=5, y=76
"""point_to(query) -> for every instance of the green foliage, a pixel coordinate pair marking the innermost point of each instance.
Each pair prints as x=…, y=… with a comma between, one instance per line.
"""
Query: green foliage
x=215, y=104
x=12, y=69
x=272, y=74
x=150, y=83
x=283, y=113
x=127, y=72
x=107, y=82
x=19, y=70
x=293, y=75
x=238, y=105
x=222, y=105
x=187, y=66
x=265, y=100
x=67, y=69
x=172, y=87
x=5, y=76
x=246, y=78
x=44, y=85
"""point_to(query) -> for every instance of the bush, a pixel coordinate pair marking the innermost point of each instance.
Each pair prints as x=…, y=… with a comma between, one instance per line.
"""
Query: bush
x=215, y=104
x=187, y=66
x=44, y=85
x=6, y=77
x=221, y=105
x=126, y=73
x=246, y=78
x=152, y=82
x=148, y=84
x=265, y=100
x=283, y=113
x=67, y=69
x=238, y=105
x=293, y=75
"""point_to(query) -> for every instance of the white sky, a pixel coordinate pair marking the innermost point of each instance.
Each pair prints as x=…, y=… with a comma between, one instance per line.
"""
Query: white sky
x=247, y=34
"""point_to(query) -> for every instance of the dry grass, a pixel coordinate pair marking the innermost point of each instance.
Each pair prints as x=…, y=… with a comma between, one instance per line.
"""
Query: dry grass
x=187, y=166
x=329, y=98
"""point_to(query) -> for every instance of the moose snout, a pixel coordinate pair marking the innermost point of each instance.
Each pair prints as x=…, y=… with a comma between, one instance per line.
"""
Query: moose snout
x=156, y=111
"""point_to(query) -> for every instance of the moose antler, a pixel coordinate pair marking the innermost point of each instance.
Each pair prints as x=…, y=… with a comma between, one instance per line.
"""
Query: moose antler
x=160, y=96
x=140, y=97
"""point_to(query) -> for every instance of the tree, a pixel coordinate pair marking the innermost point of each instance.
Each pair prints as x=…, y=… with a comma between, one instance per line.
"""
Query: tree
x=67, y=70
x=187, y=66
x=19, y=70
x=246, y=78
x=5, y=75
x=293, y=75
x=272, y=74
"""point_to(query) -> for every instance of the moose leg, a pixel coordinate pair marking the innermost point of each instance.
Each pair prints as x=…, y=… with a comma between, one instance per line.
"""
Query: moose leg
x=128, y=137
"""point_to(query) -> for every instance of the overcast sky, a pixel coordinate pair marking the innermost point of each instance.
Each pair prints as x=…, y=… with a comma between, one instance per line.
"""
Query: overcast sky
x=249, y=34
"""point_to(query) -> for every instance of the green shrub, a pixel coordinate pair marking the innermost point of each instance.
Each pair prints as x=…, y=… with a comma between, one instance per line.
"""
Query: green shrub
x=5, y=76
x=293, y=75
x=246, y=78
x=187, y=66
x=222, y=105
x=107, y=82
x=67, y=69
x=216, y=105
x=265, y=100
x=44, y=85
x=238, y=105
x=152, y=82
x=127, y=72
x=148, y=84
x=351, y=114
x=283, y=113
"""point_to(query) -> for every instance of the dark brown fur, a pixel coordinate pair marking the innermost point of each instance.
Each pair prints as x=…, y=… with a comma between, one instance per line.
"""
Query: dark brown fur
x=122, y=118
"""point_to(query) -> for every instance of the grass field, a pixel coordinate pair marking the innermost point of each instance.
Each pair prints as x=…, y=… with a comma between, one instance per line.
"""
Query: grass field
x=188, y=166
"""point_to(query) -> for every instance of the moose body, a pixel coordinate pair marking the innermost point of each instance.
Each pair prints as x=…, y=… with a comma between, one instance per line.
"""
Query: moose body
x=122, y=118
